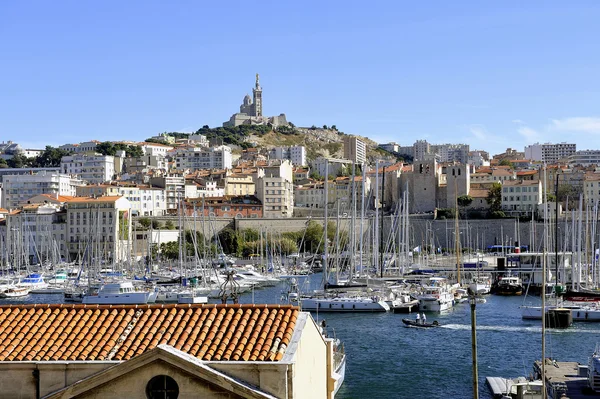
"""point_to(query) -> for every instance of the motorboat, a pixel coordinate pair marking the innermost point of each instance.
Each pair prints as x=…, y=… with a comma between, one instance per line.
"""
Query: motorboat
x=481, y=285
x=14, y=292
x=435, y=295
x=420, y=323
x=33, y=281
x=121, y=293
x=353, y=303
x=509, y=285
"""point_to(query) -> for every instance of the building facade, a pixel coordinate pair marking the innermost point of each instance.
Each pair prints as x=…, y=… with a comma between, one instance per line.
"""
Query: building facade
x=355, y=149
x=98, y=229
x=18, y=189
x=548, y=152
x=275, y=190
x=197, y=158
x=521, y=196
x=89, y=168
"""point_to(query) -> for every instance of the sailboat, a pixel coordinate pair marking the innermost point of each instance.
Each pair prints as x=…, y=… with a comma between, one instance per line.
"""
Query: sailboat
x=340, y=301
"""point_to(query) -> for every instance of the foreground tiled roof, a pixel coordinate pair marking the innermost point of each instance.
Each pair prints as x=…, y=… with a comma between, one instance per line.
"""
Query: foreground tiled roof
x=120, y=332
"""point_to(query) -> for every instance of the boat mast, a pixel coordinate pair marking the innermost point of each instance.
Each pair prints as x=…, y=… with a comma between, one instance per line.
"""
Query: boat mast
x=543, y=291
x=325, y=239
x=362, y=217
x=456, y=232
x=353, y=225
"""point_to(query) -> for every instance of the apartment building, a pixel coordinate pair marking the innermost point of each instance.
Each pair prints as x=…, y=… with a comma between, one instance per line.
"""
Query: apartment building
x=18, y=189
x=296, y=154
x=98, y=228
x=275, y=190
x=521, y=196
x=174, y=186
x=92, y=169
x=355, y=149
x=37, y=233
x=195, y=158
x=548, y=152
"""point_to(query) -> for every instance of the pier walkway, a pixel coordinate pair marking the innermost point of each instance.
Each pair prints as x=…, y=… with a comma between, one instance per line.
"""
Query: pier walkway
x=569, y=375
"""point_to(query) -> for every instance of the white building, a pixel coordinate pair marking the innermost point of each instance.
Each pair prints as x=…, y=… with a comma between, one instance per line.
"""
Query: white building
x=196, y=158
x=549, y=152
x=296, y=154
x=477, y=159
x=199, y=139
x=276, y=191
x=98, y=229
x=451, y=152
x=90, y=168
x=174, y=186
x=320, y=164
x=585, y=158
x=86, y=146
x=591, y=188
x=521, y=195
x=155, y=149
x=390, y=147
x=19, y=188
x=209, y=189
x=38, y=232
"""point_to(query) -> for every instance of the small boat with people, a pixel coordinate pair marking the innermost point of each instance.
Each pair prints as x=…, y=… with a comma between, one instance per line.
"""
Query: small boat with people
x=420, y=323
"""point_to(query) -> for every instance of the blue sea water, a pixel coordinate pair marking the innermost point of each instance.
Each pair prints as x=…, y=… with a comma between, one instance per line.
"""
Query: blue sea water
x=387, y=360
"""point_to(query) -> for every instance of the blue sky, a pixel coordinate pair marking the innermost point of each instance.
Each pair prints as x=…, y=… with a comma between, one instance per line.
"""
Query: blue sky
x=494, y=75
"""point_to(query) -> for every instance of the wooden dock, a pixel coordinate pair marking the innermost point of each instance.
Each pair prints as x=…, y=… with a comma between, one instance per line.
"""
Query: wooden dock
x=569, y=375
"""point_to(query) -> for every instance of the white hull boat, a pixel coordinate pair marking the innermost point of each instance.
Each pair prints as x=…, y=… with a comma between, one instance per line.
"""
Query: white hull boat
x=120, y=294
x=344, y=304
x=14, y=292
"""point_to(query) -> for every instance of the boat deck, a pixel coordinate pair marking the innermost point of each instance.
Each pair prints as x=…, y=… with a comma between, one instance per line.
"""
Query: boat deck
x=569, y=374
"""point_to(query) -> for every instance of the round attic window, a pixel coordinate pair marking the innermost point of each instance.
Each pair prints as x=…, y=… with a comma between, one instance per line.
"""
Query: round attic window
x=162, y=387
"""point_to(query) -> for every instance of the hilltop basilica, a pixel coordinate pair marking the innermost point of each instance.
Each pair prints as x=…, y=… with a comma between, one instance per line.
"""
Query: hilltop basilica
x=251, y=111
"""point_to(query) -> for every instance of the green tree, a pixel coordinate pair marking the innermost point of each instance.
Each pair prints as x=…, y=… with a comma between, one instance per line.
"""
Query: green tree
x=230, y=241
x=18, y=161
x=145, y=222
x=464, y=200
x=325, y=127
x=50, y=157
x=169, y=225
x=506, y=162
x=3, y=163
x=169, y=250
x=334, y=127
x=316, y=176
x=494, y=197
x=106, y=148
x=288, y=246
x=156, y=224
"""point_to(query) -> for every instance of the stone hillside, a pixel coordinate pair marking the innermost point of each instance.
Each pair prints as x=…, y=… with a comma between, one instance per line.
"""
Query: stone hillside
x=318, y=142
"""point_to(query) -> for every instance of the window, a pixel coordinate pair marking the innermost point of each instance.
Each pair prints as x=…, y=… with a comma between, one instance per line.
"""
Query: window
x=162, y=387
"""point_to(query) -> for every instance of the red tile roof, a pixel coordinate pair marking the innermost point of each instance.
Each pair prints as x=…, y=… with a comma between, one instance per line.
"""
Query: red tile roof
x=120, y=332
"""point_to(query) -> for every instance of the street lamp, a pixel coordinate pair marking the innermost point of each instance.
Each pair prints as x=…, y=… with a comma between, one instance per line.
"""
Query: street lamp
x=473, y=302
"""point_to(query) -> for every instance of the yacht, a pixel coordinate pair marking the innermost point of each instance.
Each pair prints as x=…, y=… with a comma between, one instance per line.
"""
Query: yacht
x=481, y=285
x=121, y=293
x=350, y=303
x=435, y=295
x=33, y=282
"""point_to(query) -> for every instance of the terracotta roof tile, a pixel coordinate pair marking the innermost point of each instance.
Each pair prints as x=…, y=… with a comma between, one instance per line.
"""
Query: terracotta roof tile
x=120, y=332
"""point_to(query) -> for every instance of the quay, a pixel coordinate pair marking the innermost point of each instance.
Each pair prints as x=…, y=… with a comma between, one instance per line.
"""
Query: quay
x=566, y=376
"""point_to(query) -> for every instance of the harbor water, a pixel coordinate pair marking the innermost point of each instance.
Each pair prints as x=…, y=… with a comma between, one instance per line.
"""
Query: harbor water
x=387, y=360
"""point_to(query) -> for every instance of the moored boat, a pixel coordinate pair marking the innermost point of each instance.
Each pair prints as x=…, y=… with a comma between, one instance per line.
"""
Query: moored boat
x=509, y=285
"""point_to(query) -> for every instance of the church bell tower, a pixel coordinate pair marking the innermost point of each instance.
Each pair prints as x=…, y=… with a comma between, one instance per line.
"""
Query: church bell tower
x=257, y=92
